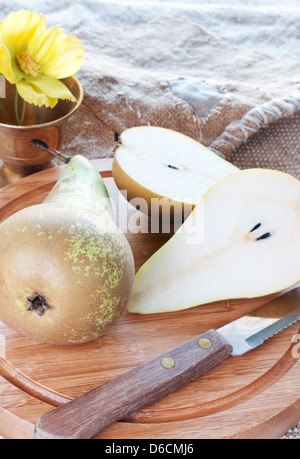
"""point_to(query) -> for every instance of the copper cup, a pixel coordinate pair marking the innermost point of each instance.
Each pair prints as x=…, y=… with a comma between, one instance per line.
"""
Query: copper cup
x=18, y=157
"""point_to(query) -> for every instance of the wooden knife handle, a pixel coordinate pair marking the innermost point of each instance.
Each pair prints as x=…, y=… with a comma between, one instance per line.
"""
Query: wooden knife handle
x=85, y=416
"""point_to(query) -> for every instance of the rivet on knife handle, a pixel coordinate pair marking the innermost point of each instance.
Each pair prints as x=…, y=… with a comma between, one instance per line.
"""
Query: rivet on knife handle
x=87, y=415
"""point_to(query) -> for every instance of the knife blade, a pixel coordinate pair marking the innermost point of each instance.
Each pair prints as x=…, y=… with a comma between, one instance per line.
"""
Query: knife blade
x=87, y=415
x=253, y=329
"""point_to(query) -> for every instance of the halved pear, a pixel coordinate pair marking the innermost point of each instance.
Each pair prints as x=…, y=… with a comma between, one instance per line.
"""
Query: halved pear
x=156, y=163
x=242, y=240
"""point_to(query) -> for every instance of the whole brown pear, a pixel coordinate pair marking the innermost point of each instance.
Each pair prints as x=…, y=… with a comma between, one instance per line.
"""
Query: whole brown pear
x=66, y=270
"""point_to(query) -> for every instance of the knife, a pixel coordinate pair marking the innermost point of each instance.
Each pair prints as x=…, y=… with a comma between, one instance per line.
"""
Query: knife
x=87, y=415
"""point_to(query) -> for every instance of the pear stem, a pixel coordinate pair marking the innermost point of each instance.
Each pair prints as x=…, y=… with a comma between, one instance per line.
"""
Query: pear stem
x=43, y=146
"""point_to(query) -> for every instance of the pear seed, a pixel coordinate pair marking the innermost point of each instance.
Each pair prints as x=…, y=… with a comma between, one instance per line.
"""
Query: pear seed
x=172, y=167
x=255, y=227
x=264, y=236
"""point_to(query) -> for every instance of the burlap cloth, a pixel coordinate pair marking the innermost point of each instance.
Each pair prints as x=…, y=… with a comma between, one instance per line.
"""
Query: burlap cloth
x=226, y=75
x=243, y=104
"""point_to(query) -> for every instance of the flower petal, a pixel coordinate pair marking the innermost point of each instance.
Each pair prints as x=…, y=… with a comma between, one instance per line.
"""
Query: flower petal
x=51, y=87
x=44, y=49
x=8, y=67
x=58, y=55
x=5, y=64
x=71, y=60
x=33, y=95
x=19, y=28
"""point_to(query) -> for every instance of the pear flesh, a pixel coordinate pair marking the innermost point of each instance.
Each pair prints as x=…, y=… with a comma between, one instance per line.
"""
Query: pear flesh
x=241, y=241
x=66, y=269
x=155, y=163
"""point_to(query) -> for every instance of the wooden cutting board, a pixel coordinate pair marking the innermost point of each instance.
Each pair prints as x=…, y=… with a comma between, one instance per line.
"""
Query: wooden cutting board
x=253, y=396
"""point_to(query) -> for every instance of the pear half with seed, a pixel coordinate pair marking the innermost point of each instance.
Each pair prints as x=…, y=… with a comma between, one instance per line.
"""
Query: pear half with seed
x=242, y=240
x=155, y=163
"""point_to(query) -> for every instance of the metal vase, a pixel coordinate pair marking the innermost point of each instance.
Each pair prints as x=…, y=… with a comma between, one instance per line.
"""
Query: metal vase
x=18, y=157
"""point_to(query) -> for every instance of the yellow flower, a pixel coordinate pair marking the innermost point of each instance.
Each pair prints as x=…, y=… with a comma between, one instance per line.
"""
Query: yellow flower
x=35, y=58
